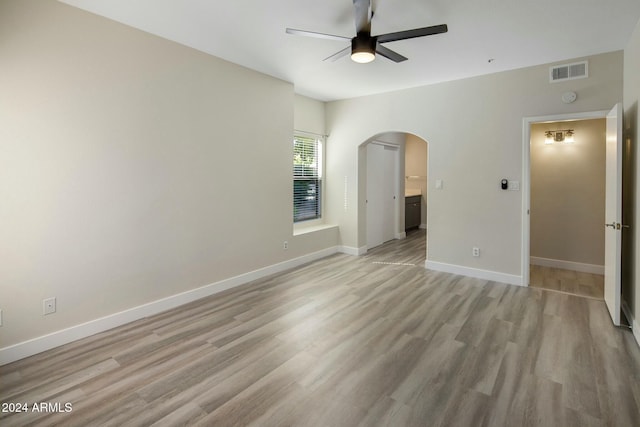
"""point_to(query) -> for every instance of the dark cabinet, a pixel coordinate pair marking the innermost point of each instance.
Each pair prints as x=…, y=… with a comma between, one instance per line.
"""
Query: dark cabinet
x=412, y=215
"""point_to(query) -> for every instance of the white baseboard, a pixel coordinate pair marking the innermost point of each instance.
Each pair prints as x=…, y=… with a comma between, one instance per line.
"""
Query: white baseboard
x=475, y=272
x=568, y=265
x=423, y=226
x=349, y=250
x=400, y=236
x=37, y=345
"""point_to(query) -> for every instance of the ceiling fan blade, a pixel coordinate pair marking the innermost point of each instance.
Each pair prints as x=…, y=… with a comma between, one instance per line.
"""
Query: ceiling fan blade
x=362, y=12
x=339, y=54
x=389, y=54
x=409, y=34
x=316, y=35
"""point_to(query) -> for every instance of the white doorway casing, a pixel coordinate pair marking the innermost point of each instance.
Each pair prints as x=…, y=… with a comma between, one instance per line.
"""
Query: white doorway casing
x=526, y=177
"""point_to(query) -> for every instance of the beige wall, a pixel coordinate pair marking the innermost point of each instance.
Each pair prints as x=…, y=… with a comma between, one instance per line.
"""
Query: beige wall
x=415, y=160
x=131, y=169
x=309, y=115
x=567, y=193
x=631, y=281
x=474, y=129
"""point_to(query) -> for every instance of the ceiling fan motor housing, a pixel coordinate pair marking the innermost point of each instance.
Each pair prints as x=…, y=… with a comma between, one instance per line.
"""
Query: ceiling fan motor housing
x=363, y=45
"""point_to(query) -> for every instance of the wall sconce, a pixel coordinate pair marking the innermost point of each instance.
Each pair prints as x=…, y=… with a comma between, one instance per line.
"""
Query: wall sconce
x=548, y=139
x=562, y=135
x=568, y=137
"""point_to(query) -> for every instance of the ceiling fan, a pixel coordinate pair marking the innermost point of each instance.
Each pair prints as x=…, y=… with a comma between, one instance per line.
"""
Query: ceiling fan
x=364, y=46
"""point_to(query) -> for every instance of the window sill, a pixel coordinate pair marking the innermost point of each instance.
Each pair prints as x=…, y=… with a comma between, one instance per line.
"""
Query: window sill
x=305, y=229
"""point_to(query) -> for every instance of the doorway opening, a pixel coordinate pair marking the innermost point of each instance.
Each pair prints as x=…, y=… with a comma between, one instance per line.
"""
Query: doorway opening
x=567, y=206
x=393, y=188
x=527, y=124
x=416, y=159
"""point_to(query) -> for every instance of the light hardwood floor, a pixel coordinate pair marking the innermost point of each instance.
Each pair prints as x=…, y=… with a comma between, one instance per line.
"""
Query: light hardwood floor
x=572, y=282
x=347, y=341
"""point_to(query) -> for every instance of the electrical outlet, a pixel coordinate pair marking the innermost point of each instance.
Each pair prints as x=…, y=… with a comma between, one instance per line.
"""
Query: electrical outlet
x=285, y=245
x=476, y=251
x=48, y=306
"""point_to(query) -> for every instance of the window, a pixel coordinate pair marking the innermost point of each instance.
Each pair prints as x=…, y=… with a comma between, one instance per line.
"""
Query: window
x=307, y=177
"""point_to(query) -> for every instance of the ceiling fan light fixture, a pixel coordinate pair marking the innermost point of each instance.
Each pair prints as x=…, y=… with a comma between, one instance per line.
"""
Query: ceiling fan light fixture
x=363, y=49
x=362, y=57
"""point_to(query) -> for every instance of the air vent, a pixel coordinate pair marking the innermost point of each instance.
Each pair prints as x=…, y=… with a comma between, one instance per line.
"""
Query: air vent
x=577, y=70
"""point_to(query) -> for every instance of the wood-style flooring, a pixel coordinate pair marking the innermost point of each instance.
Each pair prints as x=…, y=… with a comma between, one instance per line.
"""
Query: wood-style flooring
x=568, y=281
x=346, y=341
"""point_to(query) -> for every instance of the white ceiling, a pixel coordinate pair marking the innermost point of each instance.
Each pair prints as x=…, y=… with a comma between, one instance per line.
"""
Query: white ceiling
x=514, y=33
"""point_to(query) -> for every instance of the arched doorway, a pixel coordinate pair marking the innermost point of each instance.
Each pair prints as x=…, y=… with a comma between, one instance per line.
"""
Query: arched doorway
x=392, y=169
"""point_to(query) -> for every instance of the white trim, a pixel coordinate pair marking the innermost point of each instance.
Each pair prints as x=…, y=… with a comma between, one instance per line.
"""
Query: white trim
x=423, y=226
x=568, y=265
x=401, y=236
x=385, y=144
x=46, y=342
x=526, y=175
x=495, y=276
x=349, y=250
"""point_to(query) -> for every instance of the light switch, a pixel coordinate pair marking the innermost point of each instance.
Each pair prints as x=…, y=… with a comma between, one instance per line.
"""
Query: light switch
x=439, y=184
x=514, y=185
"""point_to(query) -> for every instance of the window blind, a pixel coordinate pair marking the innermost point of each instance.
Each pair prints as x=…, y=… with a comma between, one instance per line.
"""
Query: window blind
x=307, y=177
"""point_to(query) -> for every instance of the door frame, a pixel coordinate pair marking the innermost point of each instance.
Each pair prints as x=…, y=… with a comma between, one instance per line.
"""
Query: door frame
x=527, y=122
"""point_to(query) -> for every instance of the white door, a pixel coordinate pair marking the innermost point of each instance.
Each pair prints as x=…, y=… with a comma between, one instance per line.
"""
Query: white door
x=613, y=214
x=375, y=205
x=381, y=198
x=388, y=193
